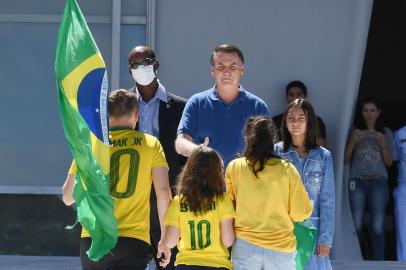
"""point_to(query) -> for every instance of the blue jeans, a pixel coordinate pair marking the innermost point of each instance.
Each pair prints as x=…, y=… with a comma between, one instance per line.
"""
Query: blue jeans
x=247, y=256
x=375, y=193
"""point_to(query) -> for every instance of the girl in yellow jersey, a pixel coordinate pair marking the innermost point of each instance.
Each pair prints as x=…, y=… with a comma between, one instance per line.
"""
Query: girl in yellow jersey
x=268, y=196
x=201, y=215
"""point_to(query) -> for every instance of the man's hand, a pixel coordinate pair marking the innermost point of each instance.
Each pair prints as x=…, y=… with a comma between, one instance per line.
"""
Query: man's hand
x=166, y=252
x=184, y=144
x=206, y=141
x=323, y=250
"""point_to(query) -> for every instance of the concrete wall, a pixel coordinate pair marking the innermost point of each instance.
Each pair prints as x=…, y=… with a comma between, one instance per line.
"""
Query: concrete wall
x=319, y=42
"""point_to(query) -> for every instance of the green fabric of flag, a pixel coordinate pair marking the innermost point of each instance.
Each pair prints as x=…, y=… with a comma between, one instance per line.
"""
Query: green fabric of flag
x=306, y=236
x=82, y=94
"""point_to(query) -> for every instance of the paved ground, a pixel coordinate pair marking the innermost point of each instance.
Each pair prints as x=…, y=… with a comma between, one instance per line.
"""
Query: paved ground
x=73, y=263
x=35, y=225
x=368, y=265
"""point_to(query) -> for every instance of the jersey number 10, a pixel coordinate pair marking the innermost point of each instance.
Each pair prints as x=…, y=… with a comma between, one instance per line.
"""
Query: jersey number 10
x=200, y=242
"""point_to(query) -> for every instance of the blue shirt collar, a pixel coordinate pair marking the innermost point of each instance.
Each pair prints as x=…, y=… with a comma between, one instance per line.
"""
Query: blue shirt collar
x=160, y=94
x=213, y=95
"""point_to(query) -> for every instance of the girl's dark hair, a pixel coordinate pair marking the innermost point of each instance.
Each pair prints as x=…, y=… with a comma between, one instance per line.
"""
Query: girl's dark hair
x=259, y=138
x=359, y=122
x=312, y=127
x=201, y=180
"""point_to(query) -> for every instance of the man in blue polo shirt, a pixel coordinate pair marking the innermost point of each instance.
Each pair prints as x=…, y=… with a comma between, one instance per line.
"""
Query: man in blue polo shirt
x=216, y=117
x=399, y=154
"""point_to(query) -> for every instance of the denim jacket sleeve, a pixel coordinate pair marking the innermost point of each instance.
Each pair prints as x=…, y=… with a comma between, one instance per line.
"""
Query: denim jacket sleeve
x=327, y=202
x=277, y=149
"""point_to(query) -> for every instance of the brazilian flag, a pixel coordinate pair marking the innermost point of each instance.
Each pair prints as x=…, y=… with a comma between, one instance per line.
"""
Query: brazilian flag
x=82, y=94
x=306, y=236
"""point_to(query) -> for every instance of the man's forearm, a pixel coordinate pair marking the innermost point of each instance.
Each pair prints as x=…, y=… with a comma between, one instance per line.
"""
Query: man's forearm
x=184, y=145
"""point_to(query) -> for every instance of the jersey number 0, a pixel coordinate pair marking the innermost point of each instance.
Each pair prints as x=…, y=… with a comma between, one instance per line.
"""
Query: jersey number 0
x=132, y=172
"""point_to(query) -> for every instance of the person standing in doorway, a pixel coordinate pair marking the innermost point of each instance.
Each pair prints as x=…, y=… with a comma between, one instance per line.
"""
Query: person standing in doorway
x=369, y=152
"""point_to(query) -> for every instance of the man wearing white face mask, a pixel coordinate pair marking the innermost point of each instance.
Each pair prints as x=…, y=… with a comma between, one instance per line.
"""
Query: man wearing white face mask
x=144, y=75
x=159, y=115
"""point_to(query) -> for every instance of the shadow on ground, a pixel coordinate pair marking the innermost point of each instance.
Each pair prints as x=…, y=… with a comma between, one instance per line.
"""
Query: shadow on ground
x=35, y=225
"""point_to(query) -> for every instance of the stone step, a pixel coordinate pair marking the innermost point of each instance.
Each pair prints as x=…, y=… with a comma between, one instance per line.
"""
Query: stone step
x=14, y=262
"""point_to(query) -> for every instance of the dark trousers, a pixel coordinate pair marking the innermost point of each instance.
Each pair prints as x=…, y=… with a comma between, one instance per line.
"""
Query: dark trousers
x=128, y=254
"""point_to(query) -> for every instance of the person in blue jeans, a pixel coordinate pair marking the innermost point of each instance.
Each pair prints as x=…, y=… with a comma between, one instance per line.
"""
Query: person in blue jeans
x=369, y=151
x=315, y=166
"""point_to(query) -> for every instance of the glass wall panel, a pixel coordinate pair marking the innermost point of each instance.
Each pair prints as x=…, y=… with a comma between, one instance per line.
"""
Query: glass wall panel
x=131, y=36
x=133, y=7
x=54, y=7
x=33, y=148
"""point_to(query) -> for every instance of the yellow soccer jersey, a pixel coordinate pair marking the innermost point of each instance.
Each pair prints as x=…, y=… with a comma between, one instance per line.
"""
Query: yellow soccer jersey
x=133, y=155
x=200, y=242
x=267, y=205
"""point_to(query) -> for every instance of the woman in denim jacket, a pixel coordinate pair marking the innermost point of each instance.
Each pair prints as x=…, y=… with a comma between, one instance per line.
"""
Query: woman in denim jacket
x=314, y=163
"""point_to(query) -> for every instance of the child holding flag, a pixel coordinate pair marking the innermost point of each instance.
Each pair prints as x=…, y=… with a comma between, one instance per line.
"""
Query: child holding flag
x=315, y=165
x=201, y=215
x=136, y=161
x=268, y=196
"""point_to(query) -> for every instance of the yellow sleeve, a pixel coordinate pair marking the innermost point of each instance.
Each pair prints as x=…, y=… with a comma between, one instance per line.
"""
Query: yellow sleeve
x=300, y=207
x=229, y=182
x=73, y=168
x=227, y=208
x=158, y=159
x=172, y=214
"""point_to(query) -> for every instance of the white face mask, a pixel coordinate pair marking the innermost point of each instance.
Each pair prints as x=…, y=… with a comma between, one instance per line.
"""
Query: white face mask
x=143, y=75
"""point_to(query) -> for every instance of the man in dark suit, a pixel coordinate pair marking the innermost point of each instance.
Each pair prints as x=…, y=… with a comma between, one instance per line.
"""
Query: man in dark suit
x=159, y=115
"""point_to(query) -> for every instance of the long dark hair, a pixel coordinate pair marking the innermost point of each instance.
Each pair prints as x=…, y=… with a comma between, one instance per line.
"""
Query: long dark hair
x=201, y=180
x=312, y=127
x=359, y=122
x=259, y=138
